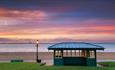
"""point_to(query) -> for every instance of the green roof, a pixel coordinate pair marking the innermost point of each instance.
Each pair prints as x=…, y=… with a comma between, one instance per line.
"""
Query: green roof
x=75, y=46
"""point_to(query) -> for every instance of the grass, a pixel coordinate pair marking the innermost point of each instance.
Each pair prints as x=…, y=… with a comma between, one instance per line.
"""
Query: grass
x=35, y=66
x=107, y=64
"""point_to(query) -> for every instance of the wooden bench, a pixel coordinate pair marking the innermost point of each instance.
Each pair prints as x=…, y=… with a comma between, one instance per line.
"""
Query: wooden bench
x=16, y=60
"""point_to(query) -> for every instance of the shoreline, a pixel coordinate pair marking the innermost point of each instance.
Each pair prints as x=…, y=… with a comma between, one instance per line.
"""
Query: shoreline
x=47, y=57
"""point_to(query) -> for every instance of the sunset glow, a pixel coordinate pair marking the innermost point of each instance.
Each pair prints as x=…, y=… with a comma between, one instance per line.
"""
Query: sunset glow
x=70, y=20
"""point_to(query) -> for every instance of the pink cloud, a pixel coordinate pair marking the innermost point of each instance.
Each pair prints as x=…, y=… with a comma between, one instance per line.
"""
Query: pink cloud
x=23, y=14
x=24, y=22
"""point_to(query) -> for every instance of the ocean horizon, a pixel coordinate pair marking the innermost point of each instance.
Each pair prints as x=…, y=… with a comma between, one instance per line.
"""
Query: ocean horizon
x=19, y=47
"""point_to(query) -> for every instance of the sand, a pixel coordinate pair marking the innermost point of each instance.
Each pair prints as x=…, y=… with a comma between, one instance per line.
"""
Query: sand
x=46, y=56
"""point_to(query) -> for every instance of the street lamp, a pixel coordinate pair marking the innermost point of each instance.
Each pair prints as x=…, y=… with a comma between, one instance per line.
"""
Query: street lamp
x=37, y=60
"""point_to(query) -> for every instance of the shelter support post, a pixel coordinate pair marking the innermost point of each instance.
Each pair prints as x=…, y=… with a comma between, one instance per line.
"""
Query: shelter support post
x=54, y=53
x=61, y=53
x=87, y=53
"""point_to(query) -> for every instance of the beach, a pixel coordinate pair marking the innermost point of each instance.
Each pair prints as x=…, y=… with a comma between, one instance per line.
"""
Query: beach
x=46, y=57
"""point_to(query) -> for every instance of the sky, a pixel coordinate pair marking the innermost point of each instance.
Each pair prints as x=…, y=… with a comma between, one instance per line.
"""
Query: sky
x=57, y=20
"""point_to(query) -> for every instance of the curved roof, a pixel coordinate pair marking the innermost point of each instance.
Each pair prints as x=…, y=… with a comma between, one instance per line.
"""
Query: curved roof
x=75, y=46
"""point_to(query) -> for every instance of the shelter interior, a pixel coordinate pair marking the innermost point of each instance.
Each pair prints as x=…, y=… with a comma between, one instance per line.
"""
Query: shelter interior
x=75, y=57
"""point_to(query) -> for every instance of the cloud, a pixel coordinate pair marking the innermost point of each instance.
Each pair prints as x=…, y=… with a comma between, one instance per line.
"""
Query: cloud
x=9, y=40
x=24, y=14
x=19, y=17
x=61, y=23
x=103, y=26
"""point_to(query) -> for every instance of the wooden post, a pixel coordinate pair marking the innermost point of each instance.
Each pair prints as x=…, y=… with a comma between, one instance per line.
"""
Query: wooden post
x=87, y=54
x=61, y=53
x=91, y=52
x=54, y=53
x=79, y=53
x=71, y=52
x=58, y=53
x=66, y=53
x=75, y=52
x=83, y=53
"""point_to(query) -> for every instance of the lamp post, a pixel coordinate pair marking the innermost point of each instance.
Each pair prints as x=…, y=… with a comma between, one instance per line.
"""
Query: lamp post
x=37, y=60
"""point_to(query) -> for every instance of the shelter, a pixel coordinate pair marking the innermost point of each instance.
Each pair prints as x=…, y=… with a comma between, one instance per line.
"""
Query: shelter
x=75, y=53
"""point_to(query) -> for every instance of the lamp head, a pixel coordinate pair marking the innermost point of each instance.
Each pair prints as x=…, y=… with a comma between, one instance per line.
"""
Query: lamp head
x=37, y=41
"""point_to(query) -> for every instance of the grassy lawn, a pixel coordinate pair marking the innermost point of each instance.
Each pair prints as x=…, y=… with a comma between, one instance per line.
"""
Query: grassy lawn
x=35, y=66
x=107, y=64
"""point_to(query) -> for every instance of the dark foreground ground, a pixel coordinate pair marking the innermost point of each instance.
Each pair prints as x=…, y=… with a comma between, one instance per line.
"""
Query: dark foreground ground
x=36, y=66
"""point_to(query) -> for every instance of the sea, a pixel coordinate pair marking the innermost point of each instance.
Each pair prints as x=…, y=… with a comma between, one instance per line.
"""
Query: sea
x=43, y=47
